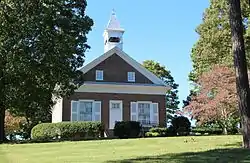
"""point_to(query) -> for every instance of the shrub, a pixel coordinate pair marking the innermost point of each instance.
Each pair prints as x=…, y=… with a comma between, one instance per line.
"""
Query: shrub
x=152, y=134
x=13, y=123
x=233, y=131
x=182, y=131
x=127, y=129
x=181, y=125
x=67, y=130
x=207, y=130
x=157, y=132
x=171, y=131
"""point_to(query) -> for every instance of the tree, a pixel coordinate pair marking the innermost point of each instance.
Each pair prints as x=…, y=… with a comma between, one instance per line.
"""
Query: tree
x=172, y=100
x=240, y=64
x=180, y=125
x=42, y=46
x=13, y=123
x=214, y=44
x=216, y=99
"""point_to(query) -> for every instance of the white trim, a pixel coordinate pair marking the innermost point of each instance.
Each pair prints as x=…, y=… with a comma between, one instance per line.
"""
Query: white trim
x=145, y=102
x=86, y=100
x=133, y=113
x=121, y=108
x=155, y=114
x=129, y=60
x=115, y=101
x=123, y=89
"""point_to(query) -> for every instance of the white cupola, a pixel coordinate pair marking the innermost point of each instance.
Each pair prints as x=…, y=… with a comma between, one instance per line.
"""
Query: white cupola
x=113, y=34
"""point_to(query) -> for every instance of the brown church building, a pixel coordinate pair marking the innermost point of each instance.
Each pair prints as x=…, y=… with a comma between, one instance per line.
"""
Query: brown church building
x=116, y=88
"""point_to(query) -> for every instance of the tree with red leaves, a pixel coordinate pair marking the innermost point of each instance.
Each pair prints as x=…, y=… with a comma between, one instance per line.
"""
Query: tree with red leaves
x=216, y=99
x=13, y=123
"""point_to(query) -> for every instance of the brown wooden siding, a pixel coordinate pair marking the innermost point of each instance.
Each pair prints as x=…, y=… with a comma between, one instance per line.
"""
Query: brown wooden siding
x=115, y=70
x=106, y=97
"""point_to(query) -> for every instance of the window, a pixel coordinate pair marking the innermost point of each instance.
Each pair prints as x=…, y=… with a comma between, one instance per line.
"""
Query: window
x=114, y=39
x=85, y=110
x=115, y=105
x=99, y=75
x=131, y=76
x=144, y=113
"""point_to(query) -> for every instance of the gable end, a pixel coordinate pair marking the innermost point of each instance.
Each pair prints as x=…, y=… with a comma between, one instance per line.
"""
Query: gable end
x=130, y=61
x=116, y=69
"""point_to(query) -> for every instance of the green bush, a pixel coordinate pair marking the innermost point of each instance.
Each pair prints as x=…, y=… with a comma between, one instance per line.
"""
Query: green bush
x=182, y=131
x=157, y=131
x=171, y=131
x=206, y=130
x=152, y=134
x=127, y=129
x=67, y=130
x=180, y=125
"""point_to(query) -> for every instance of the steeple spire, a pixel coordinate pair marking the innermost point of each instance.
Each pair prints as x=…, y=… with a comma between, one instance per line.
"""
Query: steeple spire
x=113, y=22
x=113, y=33
x=113, y=11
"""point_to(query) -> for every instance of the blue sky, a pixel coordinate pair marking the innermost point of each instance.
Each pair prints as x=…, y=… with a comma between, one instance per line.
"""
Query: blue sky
x=163, y=31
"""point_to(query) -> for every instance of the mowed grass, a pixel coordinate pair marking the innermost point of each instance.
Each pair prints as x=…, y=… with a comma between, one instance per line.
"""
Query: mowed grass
x=215, y=149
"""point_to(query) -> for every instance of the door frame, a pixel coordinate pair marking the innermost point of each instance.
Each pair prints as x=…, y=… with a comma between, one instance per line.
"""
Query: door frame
x=121, y=108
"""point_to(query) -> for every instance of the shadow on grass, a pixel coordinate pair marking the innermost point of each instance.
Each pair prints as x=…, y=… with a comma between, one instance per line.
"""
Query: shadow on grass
x=213, y=156
x=237, y=144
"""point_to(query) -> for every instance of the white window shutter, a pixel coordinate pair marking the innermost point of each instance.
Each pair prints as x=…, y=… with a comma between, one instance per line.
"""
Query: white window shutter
x=155, y=113
x=74, y=110
x=97, y=111
x=133, y=111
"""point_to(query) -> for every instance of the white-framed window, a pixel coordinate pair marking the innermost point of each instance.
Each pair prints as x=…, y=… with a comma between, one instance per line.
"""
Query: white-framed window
x=99, y=74
x=86, y=110
x=115, y=105
x=145, y=112
x=131, y=76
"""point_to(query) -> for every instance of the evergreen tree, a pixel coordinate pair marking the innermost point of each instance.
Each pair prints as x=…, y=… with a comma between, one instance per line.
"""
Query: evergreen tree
x=172, y=100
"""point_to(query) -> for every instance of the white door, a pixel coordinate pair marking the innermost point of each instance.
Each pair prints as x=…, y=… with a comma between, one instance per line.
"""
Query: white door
x=115, y=113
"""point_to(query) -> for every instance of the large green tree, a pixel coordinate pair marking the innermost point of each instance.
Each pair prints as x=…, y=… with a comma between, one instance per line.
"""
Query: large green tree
x=172, y=100
x=214, y=44
x=42, y=45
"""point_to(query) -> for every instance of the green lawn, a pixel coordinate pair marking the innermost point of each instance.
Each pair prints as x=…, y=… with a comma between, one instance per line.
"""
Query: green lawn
x=216, y=149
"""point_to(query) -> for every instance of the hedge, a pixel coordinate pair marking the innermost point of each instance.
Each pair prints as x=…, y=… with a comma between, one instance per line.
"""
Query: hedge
x=213, y=130
x=67, y=130
x=127, y=129
x=210, y=131
x=158, y=132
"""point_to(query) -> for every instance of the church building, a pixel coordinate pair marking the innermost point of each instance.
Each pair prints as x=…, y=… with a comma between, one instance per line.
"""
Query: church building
x=116, y=88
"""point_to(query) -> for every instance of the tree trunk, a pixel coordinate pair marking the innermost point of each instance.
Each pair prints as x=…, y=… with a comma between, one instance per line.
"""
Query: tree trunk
x=2, y=118
x=240, y=69
x=224, y=131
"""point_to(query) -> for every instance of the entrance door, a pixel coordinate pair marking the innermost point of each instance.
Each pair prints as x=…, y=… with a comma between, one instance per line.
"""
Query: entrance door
x=115, y=113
